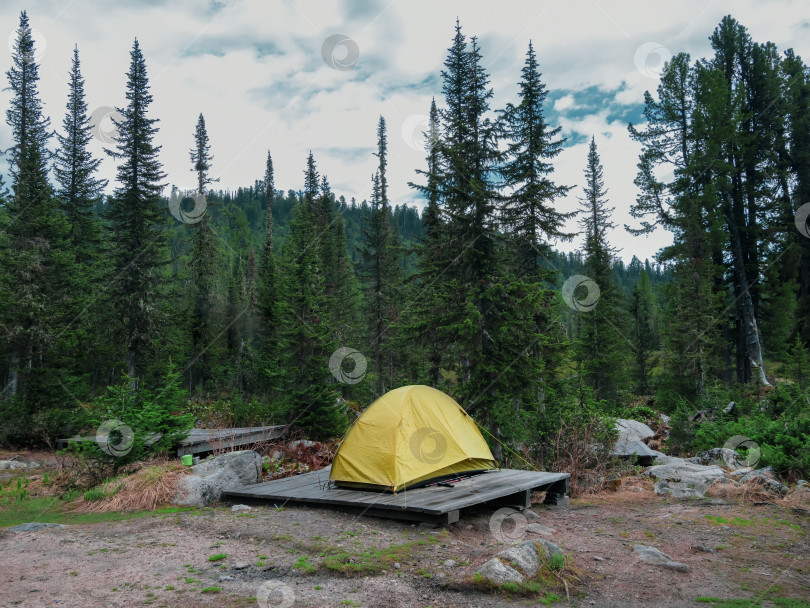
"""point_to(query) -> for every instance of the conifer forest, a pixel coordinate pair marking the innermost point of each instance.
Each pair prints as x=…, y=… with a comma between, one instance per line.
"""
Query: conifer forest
x=292, y=300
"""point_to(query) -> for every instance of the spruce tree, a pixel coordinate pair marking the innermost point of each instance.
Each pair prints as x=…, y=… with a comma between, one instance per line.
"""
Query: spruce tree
x=38, y=264
x=643, y=309
x=203, y=263
x=307, y=340
x=79, y=191
x=380, y=272
x=602, y=331
x=529, y=213
x=137, y=220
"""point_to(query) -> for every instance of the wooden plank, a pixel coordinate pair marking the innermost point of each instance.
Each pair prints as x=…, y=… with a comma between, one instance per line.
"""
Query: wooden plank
x=505, y=486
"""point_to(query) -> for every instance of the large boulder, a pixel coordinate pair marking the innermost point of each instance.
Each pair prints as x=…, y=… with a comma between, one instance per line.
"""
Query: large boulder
x=632, y=430
x=766, y=479
x=687, y=473
x=522, y=557
x=678, y=489
x=211, y=478
x=718, y=456
x=630, y=443
x=515, y=564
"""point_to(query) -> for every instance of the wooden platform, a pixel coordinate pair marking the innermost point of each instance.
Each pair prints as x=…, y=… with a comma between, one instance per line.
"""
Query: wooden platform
x=200, y=441
x=437, y=504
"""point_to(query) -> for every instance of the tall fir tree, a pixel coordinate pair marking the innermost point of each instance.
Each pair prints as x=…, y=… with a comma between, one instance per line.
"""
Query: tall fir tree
x=380, y=272
x=307, y=339
x=203, y=264
x=79, y=191
x=39, y=265
x=602, y=345
x=137, y=220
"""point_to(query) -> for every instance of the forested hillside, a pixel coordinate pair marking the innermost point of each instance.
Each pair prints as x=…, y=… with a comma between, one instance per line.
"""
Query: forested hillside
x=288, y=303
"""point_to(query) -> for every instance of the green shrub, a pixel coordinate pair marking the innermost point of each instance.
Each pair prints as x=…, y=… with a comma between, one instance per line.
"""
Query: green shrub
x=156, y=417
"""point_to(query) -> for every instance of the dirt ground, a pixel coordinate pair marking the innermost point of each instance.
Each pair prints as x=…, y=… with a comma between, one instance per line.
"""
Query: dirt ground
x=747, y=551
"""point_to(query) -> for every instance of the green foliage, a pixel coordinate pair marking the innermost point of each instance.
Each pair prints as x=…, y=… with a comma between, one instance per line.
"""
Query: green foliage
x=155, y=416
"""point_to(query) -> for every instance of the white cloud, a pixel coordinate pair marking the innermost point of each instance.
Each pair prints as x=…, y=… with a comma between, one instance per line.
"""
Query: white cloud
x=254, y=68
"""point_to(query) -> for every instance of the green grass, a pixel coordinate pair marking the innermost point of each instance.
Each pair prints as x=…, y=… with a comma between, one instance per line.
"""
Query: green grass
x=737, y=521
x=372, y=560
x=303, y=564
x=210, y=590
x=217, y=557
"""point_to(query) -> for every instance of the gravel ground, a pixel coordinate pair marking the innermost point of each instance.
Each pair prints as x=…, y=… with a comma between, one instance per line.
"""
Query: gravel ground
x=163, y=559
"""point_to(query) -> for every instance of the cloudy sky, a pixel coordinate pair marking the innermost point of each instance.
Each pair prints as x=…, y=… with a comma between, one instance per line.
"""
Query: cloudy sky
x=293, y=76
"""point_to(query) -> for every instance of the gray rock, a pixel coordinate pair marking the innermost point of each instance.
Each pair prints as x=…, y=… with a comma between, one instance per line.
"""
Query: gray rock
x=801, y=484
x=686, y=472
x=523, y=557
x=449, y=563
x=211, y=478
x=13, y=465
x=306, y=443
x=549, y=547
x=766, y=479
x=633, y=447
x=678, y=489
x=703, y=548
x=241, y=508
x=530, y=514
x=498, y=573
x=240, y=566
x=737, y=473
x=653, y=556
x=630, y=430
x=225, y=577
x=730, y=407
x=718, y=456
x=34, y=525
x=539, y=529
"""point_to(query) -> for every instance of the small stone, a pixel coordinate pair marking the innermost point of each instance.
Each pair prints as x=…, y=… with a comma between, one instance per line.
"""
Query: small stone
x=224, y=578
x=468, y=527
x=539, y=529
x=396, y=565
x=449, y=563
x=702, y=548
x=240, y=566
x=596, y=558
x=530, y=514
x=240, y=508
x=653, y=556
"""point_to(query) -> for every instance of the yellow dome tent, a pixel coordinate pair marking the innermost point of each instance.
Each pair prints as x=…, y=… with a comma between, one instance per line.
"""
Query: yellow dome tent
x=408, y=436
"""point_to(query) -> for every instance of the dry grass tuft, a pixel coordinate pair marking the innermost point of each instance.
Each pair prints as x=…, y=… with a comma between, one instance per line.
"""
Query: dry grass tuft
x=154, y=485
x=749, y=491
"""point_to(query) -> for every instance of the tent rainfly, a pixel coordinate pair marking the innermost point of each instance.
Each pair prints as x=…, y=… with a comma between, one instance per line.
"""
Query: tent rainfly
x=408, y=436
